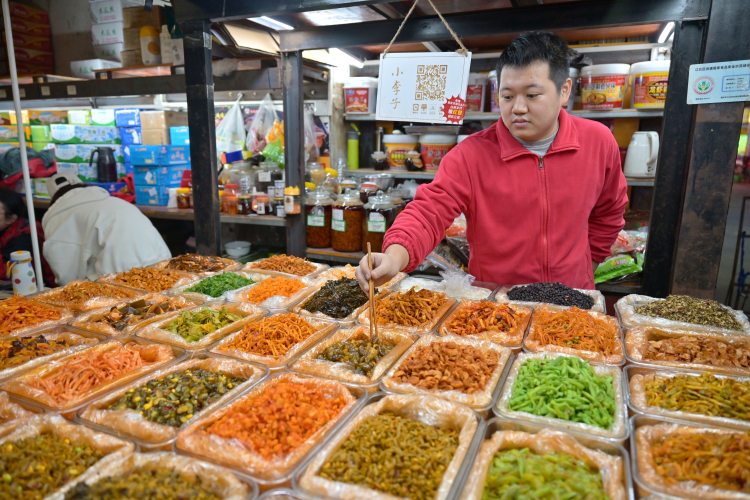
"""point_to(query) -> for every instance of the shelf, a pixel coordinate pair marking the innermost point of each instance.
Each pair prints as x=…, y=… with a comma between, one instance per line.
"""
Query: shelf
x=188, y=215
x=397, y=174
x=331, y=255
x=599, y=115
x=635, y=182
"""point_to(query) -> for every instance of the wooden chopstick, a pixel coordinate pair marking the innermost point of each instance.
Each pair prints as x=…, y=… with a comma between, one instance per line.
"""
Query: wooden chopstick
x=371, y=292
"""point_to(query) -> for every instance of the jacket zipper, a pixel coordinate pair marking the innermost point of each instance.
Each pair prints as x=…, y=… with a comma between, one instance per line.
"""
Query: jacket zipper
x=545, y=222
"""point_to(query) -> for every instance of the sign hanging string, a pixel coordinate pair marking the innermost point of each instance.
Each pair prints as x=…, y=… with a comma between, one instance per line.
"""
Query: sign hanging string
x=462, y=50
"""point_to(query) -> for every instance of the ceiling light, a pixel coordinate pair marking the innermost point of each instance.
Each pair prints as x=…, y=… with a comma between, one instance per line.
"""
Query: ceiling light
x=342, y=58
x=666, y=31
x=270, y=22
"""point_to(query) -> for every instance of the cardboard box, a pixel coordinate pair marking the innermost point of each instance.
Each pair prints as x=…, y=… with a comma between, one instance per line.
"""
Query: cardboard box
x=128, y=117
x=81, y=153
x=152, y=195
x=9, y=133
x=131, y=136
x=45, y=117
x=159, y=155
x=84, y=134
x=86, y=67
x=9, y=117
x=130, y=58
x=154, y=175
x=30, y=27
x=34, y=57
x=41, y=146
x=7, y=146
x=106, y=33
x=110, y=51
x=163, y=119
x=39, y=188
x=154, y=136
x=26, y=41
x=29, y=12
x=40, y=134
x=103, y=117
x=131, y=39
x=179, y=136
x=133, y=17
x=79, y=116
x=105, y=11
x=67, y=168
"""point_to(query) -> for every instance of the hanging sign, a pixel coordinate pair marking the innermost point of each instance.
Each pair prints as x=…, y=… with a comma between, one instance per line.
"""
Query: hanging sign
x=427, y=87
x=727, y=81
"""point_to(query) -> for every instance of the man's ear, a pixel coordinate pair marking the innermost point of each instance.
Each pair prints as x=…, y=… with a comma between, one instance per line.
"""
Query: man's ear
x=565, y=91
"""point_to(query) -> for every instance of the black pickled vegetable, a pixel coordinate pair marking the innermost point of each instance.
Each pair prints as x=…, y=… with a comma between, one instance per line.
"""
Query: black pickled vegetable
x=337, y=298
x=551, y=293
x=175, y=398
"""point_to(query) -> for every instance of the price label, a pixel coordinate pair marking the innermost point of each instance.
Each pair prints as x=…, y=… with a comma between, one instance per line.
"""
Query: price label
x=316, y=220
x=264, y=176
x=376, y=223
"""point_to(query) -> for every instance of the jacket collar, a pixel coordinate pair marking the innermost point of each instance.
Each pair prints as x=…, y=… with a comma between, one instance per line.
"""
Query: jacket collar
x=566, y=138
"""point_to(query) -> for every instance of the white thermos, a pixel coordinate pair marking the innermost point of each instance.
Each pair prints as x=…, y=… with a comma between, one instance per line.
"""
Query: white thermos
x=643, y=151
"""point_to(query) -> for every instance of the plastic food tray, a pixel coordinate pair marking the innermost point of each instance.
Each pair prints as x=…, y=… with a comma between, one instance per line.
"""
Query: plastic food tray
x=635, y=376
x=33, y=398
x=309, y=364
x=616, y=435
x=232, y=265
x=65, y=316
x=347, y=320
x=49, y=297
x=156, y=330
x=645, y=487
x=182, y=278
x=531, y=344
x=476, y=291
x=501, y=295
x=423, y=408
x=183, y=289
x=277, y=302
x=364, y=317
x=349, y=271
x=282, y=477
x=510, y=424
x=78, y=342
x=513, y=339
x=322, y=329
x=249, y=267
x=148, y=435
x=481, y=401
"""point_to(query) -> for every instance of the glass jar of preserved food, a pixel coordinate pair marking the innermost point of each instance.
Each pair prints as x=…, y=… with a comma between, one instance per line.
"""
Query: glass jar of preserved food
x=183, y=198
x=229, y=199
x=380, y=212
x=318, y=206
x=347, y=217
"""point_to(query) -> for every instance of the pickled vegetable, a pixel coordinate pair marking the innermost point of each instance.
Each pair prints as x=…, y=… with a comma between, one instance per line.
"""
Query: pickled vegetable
x=194, y=263
x=360, y=353
x=15, y=351
x=36, y=466
x=551, y=293
x=691, y=310
x=519, y=473
x=566, y=388
x=337, y=298
x=194, y=325
x=395, y=455
x=706, y=395
x=217, y=285
x=175, y=398
x=121, y=317
x=162, y=484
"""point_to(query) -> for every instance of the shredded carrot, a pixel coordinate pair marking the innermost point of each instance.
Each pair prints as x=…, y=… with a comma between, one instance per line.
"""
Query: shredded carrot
x=472, y=318
x=76, y=294
x=275, y=286
x=272, y=336
x=410, y=308
x=20, y=312
x=89, y=370
x=285, y=264
x=281, y=417
x=575, y=328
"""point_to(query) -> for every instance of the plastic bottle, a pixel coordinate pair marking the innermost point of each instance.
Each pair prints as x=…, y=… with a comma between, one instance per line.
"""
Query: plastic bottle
x=150, y=52
x=352, y=149
x=165, y=41
x=21, y=273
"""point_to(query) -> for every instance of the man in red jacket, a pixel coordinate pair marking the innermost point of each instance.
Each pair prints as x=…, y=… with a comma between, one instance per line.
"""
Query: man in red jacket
x=542, y=190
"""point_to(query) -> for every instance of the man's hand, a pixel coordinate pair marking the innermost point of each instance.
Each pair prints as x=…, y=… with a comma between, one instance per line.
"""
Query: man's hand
x=384, y=266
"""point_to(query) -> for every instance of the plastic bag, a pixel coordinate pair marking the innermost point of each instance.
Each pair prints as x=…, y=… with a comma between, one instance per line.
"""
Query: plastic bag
x=262, y=123
x=274, y=149
x=630, y=241
x=230, y=133
x=618, y=266
x=311, y=145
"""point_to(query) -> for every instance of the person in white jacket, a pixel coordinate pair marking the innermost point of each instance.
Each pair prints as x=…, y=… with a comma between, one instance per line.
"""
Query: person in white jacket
x=90, y=233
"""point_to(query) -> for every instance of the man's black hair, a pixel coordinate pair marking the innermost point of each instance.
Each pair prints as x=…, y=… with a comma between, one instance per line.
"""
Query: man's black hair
x=538, y=46
x=13, y=202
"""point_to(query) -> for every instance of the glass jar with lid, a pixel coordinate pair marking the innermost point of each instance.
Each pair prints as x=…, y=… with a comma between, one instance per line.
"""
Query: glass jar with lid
x=380, y=212
x=318, y=207
x=347, y=217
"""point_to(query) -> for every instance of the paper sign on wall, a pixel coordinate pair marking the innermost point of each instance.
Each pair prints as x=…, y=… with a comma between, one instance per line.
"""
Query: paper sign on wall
x=425, y=87
x=727, y=81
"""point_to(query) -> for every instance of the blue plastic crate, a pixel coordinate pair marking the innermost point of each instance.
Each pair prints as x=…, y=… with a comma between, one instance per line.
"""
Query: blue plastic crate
x=159, y=155
x=152, y=175
x=154, y=196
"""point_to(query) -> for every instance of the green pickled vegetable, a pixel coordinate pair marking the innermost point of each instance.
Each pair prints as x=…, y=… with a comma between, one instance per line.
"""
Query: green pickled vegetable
x=691, y=310
x=395, y=455
x=522, y=474
x=566, y=388
x=145, y=483
x=361, y=354
x=215, y=286
x=337, y=298
x=175, y=398
x=35, y=467
x=194, y=325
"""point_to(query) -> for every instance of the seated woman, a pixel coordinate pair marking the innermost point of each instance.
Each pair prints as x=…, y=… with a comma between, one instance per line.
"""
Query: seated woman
x=15, y=233
x=90, y=233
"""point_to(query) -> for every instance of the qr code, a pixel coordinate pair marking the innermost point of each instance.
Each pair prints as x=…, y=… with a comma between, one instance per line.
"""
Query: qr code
x=431, y=80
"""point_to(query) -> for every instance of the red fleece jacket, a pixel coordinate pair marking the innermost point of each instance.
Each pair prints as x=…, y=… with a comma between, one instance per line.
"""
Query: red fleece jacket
x=529, y=219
